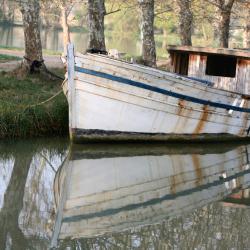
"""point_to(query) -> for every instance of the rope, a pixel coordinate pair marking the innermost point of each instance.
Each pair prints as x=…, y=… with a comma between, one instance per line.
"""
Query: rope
x=43, y=102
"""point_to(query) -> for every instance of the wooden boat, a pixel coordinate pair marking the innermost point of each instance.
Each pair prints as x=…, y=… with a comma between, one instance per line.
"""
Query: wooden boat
x=114, y=100
x=108, y=189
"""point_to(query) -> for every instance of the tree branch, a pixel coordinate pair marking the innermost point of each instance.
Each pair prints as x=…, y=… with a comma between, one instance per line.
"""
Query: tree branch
x=112, y=12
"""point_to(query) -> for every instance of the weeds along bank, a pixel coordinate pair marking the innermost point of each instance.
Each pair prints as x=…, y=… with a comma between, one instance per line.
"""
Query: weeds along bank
x=32, y=107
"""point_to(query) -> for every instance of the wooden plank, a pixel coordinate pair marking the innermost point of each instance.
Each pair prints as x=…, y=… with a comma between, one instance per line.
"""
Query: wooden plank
x=222, y=51
x=243, y=76
x=71, y=86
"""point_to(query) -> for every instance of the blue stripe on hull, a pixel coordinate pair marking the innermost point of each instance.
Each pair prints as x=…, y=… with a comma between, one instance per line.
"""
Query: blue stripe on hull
x=160, y=90
x=154, y=201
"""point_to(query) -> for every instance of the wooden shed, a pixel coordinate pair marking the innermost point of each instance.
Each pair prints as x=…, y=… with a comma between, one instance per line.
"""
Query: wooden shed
x=223, y=68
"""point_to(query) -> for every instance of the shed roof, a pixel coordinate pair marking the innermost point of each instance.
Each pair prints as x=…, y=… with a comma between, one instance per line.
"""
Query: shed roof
x=244, y=53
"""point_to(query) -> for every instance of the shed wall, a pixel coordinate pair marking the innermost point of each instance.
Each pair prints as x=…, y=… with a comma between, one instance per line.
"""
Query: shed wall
x=241, y=82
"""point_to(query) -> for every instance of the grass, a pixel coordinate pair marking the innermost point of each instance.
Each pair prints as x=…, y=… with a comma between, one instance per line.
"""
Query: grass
x=7, y=58
x=78, y=29
x=49, y=52
x=45, y=51
x=20, y=116
x=10, y=48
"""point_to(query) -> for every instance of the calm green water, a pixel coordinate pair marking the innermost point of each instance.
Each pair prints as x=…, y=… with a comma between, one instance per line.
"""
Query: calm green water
x=123, y=196
x=52, y=39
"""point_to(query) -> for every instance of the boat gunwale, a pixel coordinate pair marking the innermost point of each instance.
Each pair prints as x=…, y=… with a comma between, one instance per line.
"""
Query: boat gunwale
x=161, y=90
x=174, y=77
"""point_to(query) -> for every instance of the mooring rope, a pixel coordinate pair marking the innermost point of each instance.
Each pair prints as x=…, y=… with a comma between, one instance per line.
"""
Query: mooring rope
x=43, y=102
x=36, y=104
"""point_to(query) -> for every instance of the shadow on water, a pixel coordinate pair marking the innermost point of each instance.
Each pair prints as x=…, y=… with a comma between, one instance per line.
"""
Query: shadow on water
x=123, y=196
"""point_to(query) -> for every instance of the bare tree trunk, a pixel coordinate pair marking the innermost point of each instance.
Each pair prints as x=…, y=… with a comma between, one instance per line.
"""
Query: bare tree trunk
x=224, y=29
x=96, y=13
x=4, y=9
x=13, y=203
x=224, y=9
x=33, y=46
x=185, y=21
x=147, y=32
x=246, y=34
x=65, y=26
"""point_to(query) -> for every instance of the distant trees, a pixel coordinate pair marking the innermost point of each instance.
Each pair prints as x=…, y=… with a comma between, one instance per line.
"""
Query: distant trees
x=147, y=32
x=65, y=26
x=65, y=8
x=7, y=10
x=188, y=18
x=96, y=14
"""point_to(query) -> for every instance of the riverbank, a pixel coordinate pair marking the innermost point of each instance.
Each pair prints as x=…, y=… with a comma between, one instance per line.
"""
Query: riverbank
x=24, y=111
x=14, y=55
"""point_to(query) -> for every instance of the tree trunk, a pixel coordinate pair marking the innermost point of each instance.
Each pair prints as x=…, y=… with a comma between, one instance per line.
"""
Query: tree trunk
x=147, y=32
x=223, y=27
x=224, y=9
x=96, y=13
x=185, y=22
x=13, y=204
x=65, y=26
x=246, y=34
x=33, y=47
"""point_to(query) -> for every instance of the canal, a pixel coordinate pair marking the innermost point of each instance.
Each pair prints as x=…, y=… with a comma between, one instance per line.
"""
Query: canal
x=52, y=39
x=123, y=196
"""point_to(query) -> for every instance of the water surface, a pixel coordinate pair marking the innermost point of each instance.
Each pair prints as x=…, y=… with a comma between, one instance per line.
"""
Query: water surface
x=52, y=39
x=123, y=196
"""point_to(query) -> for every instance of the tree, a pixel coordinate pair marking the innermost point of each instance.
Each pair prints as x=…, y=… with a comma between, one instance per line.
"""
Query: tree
x=65, y=8
x=147, y=32
x=224, y=9
x=246, y=32
x=185, y=21
x=96, y=13
x=13, y=203
x=33, y=58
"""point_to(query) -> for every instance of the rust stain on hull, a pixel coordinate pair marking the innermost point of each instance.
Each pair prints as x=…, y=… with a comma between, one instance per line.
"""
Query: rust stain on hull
x=202, y=121
x=181, y=104
x=198, y=169
x=172, y=185
x=243, y=131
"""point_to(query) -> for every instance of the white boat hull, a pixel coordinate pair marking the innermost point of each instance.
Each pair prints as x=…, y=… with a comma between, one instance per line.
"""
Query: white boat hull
x=114, y=100
x=107, y=191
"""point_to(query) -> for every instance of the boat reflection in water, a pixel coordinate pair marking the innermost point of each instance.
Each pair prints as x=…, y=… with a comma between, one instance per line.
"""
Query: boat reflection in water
x=104, y=189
